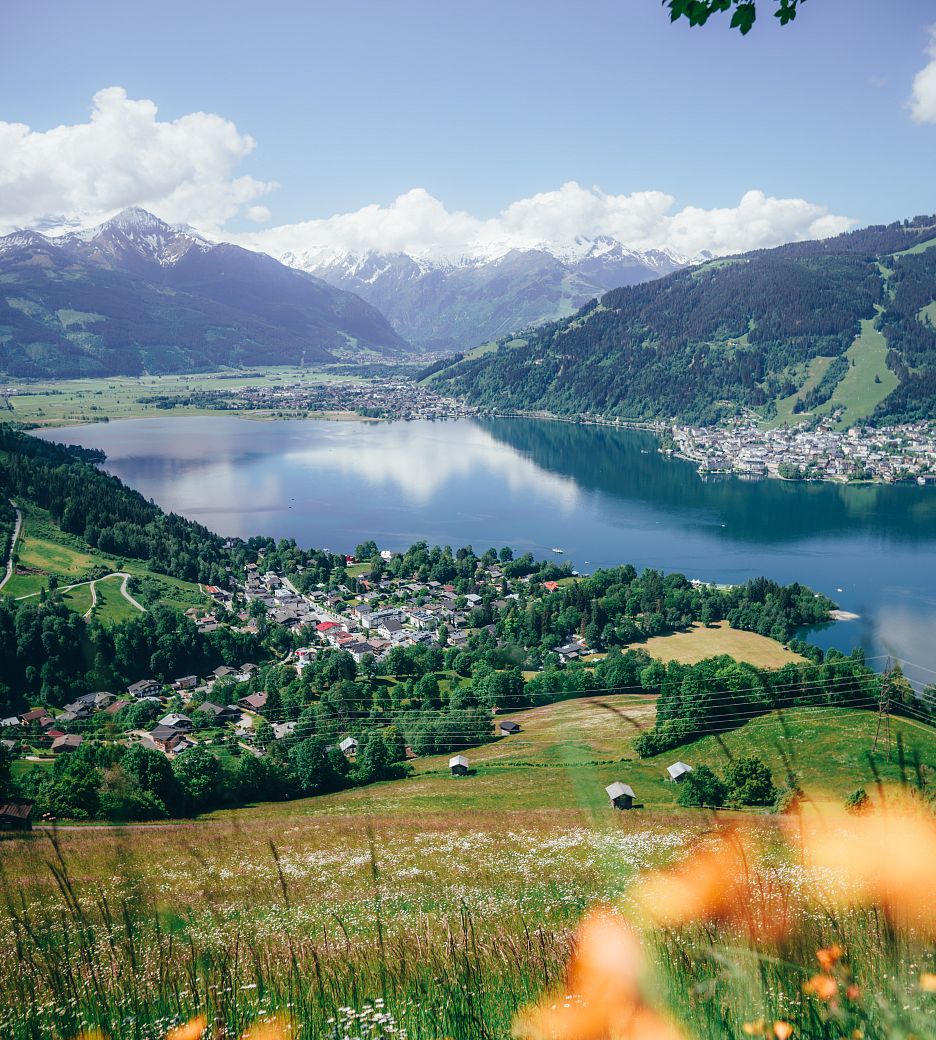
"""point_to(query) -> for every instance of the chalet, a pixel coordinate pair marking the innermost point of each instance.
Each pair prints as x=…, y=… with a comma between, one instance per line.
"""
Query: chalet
x=508, y=728
x=187, y=682
x=112, y=709
x=678, y=771
x=249, y=668
x=33, y=715
x=145, y=688
x=388, y=629
x=621, y=795
x=222, y=672
x=15, y=814
x=180, y=723
x=348, y=746
x=220, y=713
x=51, y=735
x=78, y=710
x=10, y=722
x=166, y=738
x=102, y=699
x=253, y=701
x=458, y=764
x=358, y=649
x=324, y=627
x=568, y=652
x=68, y=742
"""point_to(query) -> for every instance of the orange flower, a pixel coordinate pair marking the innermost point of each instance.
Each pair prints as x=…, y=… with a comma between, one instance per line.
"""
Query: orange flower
x=277, y=1028
x=189, y=1030
x=829, y=957
x=822, y=986
x=758, y=1028
x=782, y=1030
x=717, y=885
x=928, y=982
x=603, y=978
x=853, y=992
x=883, y=859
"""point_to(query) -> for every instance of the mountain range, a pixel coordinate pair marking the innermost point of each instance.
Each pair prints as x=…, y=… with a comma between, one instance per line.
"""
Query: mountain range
x=137, y=295
x=454, y=305
x=844, y=327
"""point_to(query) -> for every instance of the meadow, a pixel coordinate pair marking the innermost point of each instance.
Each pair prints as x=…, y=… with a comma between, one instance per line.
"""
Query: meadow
x=71, y=401
x=470, y=925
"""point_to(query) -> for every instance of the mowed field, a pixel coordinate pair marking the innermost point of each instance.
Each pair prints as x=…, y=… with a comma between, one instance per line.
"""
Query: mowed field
x=700, y=642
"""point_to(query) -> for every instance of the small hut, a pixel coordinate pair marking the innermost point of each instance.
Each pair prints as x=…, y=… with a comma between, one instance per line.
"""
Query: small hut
x=349, y=746
x=508, y=728
x=15, y=815
x=678, y=771
x=621, y=795
x=458, y=765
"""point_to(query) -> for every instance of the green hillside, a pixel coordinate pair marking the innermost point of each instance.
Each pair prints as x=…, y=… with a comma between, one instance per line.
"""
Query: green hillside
x=838, y=327
x=566, y=753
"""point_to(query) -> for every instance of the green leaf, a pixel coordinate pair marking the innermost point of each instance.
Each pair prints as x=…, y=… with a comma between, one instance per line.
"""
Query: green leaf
x=743, y=18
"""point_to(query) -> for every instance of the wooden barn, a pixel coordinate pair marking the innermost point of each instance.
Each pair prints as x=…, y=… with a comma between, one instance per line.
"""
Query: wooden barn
x=15, y=815
x=621, y=795
x=508, y=728
x=678, y=771
x=458, y=765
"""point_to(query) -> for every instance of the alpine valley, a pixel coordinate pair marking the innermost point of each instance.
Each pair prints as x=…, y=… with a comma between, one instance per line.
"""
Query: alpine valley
x=455, y=304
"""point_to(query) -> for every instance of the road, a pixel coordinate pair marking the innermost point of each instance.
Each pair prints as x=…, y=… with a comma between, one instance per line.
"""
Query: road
x=16, y=534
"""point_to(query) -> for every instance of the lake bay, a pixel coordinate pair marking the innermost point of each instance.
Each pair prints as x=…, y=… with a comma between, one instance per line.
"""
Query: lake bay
x=603, y=496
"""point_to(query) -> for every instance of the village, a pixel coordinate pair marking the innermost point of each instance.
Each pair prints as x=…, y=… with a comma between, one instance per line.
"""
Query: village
x=379, y=397
x=886, y=454
x=221, y=707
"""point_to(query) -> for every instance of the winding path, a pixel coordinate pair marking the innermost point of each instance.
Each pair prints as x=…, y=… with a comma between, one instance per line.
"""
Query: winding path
x=16, y=534
x=124, y=591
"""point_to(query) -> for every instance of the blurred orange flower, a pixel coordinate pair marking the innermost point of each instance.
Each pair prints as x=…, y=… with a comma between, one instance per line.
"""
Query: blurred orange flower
x=782, y=1030
x=928, y=982
x=277, y=1028
x=603, y=983
x=719, y=885
x=883, y=859
x=829, y=957
x=822, y=986
x=189, y=1030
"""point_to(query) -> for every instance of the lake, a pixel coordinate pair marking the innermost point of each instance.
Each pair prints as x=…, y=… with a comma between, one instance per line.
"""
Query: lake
x=604, y=496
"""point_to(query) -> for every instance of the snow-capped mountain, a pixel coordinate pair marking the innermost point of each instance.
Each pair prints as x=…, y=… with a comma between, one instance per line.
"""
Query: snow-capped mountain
x=138, y=295
x=455, y=304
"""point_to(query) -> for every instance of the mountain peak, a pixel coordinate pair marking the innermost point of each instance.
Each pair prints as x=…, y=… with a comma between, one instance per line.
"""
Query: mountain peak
x=135, y=218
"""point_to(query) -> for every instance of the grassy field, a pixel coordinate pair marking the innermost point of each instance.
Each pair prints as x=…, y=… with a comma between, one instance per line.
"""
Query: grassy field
x=63, y=402
x=701, y=642
x=444, y=907
x=47, y=550
x=567, y=753
x=858, y=393
x=815, y=370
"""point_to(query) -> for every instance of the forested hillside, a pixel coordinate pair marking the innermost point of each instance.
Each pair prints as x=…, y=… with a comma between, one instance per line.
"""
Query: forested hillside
x=733, y=333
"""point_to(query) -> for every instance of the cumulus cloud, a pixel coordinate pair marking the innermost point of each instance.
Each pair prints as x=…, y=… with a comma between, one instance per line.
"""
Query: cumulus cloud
x=923, y=97
x=182, y=170
x=419, y=224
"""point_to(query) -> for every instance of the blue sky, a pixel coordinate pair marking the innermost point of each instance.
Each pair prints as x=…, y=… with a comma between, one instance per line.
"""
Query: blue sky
x=355, y=102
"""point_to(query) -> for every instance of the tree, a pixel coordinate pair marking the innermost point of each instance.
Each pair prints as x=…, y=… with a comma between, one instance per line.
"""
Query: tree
x=153, y=772
x=701, y=787
x=858, y=802
x=373, y=761
x=312, y=769
x=750, y=782
x=200, y=777
x=743, y=12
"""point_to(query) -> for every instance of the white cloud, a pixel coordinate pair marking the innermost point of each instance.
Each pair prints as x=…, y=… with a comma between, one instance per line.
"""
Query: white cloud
x=258, y=214
x=419, y=224
x=923, y=97
x=124, y=155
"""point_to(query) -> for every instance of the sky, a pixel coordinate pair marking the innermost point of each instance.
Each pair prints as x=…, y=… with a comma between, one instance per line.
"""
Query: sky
x=452, y=127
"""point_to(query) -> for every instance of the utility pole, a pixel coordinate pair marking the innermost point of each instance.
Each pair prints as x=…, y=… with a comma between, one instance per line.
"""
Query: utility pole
x=883, y=730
